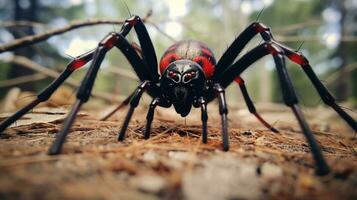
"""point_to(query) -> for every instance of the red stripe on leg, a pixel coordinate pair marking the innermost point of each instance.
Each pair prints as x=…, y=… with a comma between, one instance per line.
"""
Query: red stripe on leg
x=273, y=49
x=133, y=20
x=76, y=64
x=260, y=27
x=110, y=42
x=239, y=80
x=298, y=58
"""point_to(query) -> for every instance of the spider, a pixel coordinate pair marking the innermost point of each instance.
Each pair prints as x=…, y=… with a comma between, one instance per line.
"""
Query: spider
x=189, y=77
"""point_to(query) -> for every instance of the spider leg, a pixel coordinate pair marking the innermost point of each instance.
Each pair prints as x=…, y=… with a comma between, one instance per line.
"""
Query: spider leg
x=122, y=105
x=288, y=91
x=223, y=110
x=325, y=95
x=256, y=27
x=234, y=49
x=204, y=118
x=150, y=117
x=148, y=53
x=134, y=102
x=251, y=106
x=301, y=60
x=83, y=94
x=147, y=48
x=45, y=94
x=145, y=69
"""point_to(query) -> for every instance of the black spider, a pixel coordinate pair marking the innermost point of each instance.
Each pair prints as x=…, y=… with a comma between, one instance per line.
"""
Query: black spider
x=189, y=77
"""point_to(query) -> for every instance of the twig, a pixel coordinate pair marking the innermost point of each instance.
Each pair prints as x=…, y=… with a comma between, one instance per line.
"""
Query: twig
x=122, y=72
x=161, y=31
x=21, y=80
x=336, y=75
x=312, y=38
x=30, y=40
x=10, y=24
x=25, y=62
x=297, y=26
x=280, y=37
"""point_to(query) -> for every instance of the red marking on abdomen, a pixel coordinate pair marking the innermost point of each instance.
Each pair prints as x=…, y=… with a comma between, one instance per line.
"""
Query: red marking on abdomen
x=166, y=60
x=191, y=50
x=207, y=66
x=207, y=52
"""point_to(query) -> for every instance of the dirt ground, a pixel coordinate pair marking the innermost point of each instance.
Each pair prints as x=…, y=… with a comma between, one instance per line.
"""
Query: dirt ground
x=173, y=163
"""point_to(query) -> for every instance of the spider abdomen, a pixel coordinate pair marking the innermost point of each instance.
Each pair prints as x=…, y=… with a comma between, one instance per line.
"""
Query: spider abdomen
x=195, y=51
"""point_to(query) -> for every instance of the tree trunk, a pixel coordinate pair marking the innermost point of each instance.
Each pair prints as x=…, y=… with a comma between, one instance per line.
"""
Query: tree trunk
x=342, y=50
x=27, y=13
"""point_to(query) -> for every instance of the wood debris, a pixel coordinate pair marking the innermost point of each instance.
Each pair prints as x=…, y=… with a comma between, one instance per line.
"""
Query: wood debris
x=173, y=163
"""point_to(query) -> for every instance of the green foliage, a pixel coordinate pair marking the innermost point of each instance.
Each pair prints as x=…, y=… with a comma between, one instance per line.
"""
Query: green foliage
x=278, y=16
x=44, y=53
x=4, y=68
x=305, y=90
x=353, y=84
x=287, y=12
x=53, y=11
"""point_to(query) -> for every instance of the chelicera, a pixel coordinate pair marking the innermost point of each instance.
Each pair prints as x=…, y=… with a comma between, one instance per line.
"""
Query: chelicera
x=189, y=77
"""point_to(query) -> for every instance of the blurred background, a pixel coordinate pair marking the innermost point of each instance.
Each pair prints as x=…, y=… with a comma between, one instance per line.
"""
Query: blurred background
x=326, y=29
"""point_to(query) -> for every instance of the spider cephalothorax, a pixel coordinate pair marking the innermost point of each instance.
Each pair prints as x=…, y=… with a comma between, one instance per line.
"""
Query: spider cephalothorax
x=185, y=67
x=182, y=83
x=189, y=77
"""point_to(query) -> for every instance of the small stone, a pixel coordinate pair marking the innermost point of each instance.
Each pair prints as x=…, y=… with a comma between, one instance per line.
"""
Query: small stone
x=149, y=183
x=223, y=177
x=355, y=149
x=270, y=170
x=180, y=156
x=307, y=184
x=264, y=155
x=261, y=141
x=307, y=181
x=150, y=156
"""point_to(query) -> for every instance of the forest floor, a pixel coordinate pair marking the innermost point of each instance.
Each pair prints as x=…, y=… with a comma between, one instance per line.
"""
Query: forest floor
x=173, y=163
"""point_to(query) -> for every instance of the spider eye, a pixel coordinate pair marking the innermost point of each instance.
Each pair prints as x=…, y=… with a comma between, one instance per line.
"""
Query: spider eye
x=174, y=76
x=189, y=76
